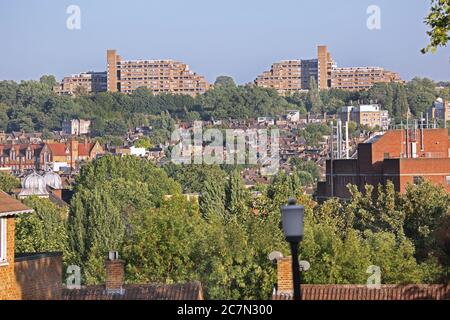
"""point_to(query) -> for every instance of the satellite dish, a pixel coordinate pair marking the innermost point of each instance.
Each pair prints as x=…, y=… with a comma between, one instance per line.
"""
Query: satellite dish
x=304, y=265
x=275, y=255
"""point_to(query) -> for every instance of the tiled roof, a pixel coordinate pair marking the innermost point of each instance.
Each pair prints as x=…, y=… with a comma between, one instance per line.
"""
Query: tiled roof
x=57, y=149
x=362, y=292
x=186, y=291
x=19, y=148
x=84, y=149
x=10, y=206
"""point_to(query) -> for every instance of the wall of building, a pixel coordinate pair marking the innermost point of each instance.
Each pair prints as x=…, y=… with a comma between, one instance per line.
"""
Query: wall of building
x=385, y=159
x=433, y=170
x=8, y=288
x=39, y=276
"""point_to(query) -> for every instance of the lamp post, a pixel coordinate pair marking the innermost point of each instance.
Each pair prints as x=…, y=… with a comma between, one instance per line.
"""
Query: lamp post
x=292, y=219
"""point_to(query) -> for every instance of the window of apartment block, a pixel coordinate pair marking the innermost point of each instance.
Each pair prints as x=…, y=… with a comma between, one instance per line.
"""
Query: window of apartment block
x=3, y=240
x=447, y=178
x=418, y=180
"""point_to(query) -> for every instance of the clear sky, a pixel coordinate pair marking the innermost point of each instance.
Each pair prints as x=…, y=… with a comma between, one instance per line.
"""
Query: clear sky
x=240, y=38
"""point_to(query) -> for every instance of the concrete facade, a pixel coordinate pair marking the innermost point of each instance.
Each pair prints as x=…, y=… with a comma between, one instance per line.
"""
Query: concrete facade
x=160, y=76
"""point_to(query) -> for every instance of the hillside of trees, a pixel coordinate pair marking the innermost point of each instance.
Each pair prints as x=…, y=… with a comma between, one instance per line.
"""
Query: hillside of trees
x=122, y=203
x=32, y=106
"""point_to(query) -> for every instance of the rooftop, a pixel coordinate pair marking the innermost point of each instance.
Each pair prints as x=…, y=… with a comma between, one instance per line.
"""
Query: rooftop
x=363, y=292
x=10, y=206
x=185, y=291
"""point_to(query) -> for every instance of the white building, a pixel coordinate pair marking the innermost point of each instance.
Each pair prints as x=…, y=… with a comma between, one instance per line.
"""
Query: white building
x=140, y=152
x=76, y=126
x=293, y=116
x=370, y=115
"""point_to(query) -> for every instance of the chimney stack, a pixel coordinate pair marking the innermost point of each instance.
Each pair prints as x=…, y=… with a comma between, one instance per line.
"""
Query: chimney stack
x=114, y=274
x=284, y=276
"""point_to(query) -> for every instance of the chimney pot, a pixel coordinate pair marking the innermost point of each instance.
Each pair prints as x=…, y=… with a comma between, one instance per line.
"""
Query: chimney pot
x=114, y=273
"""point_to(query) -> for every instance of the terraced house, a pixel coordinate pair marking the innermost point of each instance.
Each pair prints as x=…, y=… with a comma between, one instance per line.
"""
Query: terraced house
x=18, y=157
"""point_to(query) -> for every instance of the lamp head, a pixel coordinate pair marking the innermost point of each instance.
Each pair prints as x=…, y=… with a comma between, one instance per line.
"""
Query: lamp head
x=292, y=217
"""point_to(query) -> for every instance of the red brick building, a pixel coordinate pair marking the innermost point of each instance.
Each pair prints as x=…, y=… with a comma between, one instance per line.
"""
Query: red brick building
x=401, y=156
x=9, y=208
x=21, y=157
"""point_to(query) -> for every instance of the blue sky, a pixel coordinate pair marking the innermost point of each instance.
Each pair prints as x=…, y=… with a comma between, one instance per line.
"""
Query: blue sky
x=237, y=38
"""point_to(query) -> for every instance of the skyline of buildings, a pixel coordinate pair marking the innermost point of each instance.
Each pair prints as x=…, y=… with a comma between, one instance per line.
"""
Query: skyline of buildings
x=288, y=76
x=170, y=76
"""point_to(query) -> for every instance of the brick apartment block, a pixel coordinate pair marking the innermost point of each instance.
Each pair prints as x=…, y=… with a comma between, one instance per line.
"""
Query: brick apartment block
x=401, y=156
x=161, y=76
x=289, y=76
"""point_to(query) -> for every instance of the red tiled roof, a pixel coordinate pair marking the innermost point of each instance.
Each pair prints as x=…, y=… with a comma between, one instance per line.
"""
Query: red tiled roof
x=57, y=149
x=10, y=206
x=84, y=149
x=186, y=291
x=362, y=292
x=19, y=148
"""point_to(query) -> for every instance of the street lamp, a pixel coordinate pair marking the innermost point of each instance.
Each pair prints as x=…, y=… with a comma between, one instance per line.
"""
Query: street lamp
x=292, y=220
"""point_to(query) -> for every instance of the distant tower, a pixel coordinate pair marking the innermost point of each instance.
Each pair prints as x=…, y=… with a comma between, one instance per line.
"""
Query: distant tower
x=112, y=59
x=325, y=64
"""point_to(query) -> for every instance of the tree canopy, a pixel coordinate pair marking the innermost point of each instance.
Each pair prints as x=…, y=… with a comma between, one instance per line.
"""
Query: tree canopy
x=439, y=22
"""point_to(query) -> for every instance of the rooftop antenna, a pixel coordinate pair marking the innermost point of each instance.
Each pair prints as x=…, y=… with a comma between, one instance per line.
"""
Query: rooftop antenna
x=421, y=132
x=331, y=162
x=407, y=135
x=346, y=141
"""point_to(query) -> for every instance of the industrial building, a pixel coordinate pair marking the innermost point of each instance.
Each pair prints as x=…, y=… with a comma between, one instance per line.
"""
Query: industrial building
x=406, y=156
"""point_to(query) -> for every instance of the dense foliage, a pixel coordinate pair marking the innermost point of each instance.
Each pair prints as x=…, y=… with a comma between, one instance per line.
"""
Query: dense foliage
x=32, y=106
x=223, y=240
x=439, y=22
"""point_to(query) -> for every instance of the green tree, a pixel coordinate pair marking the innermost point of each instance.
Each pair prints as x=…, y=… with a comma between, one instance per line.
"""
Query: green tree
x=212, y=200
x=8, y=182
x=160, y=243
x=237, y=196
x=48, y=80
x=43, y=230
x=143, y=143
x=426, y=209
x=314, y=102
x=95, y=227
x=420, y=94
x=400, y=102
x=225, y=81
x=439, y=22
